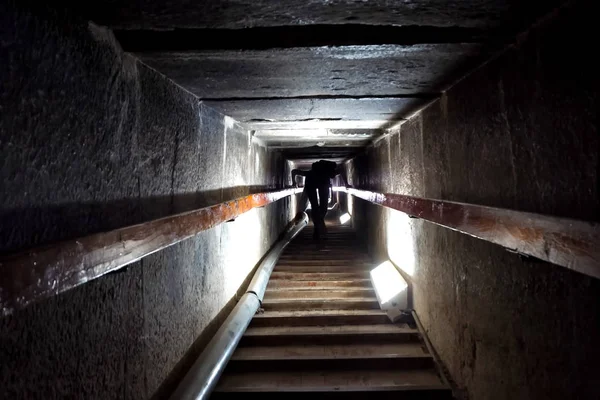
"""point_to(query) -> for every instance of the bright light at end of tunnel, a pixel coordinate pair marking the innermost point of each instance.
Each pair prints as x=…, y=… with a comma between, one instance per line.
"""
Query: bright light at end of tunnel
x=388, y=283
x=344, y=218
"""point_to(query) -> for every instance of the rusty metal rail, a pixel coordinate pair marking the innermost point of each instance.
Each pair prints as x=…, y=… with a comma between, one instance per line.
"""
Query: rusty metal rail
x=46, y=271
x=569, y=243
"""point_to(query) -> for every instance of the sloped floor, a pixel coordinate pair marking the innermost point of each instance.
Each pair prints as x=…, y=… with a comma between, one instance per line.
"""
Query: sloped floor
x=323, y=334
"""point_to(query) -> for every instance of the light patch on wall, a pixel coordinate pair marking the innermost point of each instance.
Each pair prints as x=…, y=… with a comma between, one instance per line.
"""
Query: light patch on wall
x=228, y=122
x=257, y=163
x=350, y=201
x=390, y=286
x=400, y=242
x=294, y=204
x=344, y=218
x=241, y=247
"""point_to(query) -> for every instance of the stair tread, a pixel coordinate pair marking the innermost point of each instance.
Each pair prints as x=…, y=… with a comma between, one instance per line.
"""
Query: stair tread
x=310, y=289
x=326, y=253
x=330, y=330
x=315, y=292
x=314, y=283
x=347, y=244
x=324, y=262
x=326, y=250
x=348, y=273
x=320, y=303
x=334, y=255
x=324, y=269
x=330, y=295
x=304, y=300
x=323, y=352
x=306, y=381
x=303, y=276
x=310, y=313
x=320, y=317
x=324, y=256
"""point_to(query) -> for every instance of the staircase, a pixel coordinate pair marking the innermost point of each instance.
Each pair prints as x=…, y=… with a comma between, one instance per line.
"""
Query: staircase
x=322, y=333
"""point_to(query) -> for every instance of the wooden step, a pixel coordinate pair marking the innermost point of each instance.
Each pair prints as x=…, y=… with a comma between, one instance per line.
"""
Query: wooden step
x=329, y=237
x=319, y=318
x=327, y=246
x=342, y=334
x=331, y=230
x=319, y=276
x=350, y=249
x=347, y=241
x=332, y=381
x=328, y=255
x=334, y=239
x=348, y=244
x=314, y=247
x=322, y=269
x=325, y=252
x=316, y=394
x=323, y=352
x=297, y=284
x=322, y=292
x=330, y=234
x=325, y=262
x=302, y=304
x=336, y=357
x=324, y=257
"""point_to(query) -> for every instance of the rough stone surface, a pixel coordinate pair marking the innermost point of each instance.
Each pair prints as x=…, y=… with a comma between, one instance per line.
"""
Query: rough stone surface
x=520, y=133
x=236, y=49
x=91, y=140
x=317, y=71
x=150, y=14
x=316, y=108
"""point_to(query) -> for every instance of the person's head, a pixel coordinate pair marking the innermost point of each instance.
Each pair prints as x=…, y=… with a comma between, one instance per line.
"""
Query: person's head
x=325, y=167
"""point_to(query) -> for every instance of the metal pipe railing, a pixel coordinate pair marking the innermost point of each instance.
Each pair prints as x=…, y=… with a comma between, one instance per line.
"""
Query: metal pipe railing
x=46, y=271
x=202, y=377
x=566, y=242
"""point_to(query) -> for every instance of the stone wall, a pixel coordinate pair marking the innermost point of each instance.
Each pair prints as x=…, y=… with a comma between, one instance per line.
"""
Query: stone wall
x=519, y=133
x=92, y=140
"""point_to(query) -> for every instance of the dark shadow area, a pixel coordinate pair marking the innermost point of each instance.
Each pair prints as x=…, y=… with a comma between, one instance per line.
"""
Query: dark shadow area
x=262, y=38
x=24, y=228
x=178, y=372
x=321, y=152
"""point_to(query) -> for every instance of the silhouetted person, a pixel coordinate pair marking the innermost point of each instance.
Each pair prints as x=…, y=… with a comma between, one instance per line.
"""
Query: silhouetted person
x=317, y=186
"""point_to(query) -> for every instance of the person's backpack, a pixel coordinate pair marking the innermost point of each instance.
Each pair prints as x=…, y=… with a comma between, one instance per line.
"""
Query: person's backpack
x=325, y=168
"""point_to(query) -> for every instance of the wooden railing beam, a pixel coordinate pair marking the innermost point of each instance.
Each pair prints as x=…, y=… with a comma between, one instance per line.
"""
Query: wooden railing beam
x=570, y=243
x=37, y=274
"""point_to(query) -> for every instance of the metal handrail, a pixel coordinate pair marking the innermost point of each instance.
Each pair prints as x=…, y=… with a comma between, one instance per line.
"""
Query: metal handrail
x=566, y=242
x=46, y=271
x=202, y=377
